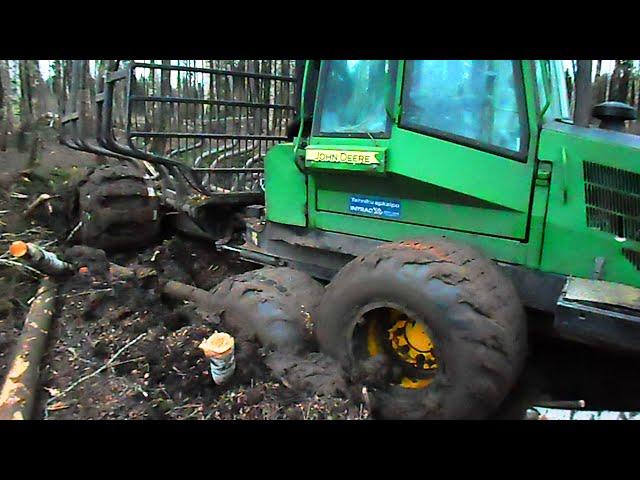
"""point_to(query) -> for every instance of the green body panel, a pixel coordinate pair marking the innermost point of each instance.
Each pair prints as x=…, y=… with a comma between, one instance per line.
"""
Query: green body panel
x=511, y=251
x=422, y=203
x=570, y=246
x=440, y=183
x=529, y=211
x=285, y=187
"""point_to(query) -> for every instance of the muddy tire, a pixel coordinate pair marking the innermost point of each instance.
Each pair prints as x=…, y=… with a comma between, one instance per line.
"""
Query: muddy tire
x=272, y=305
x=469, y=310
x=118, y=208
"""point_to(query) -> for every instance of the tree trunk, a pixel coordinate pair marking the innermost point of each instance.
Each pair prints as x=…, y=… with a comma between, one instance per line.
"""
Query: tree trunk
x=26, y=96
x=3, y=117
x=600, y=89
x=58, y=86
x=599, y=85
x=26, y=103
x=583, y=95
x=619, y=91
x=40, y=91
x=89, y=83
x=66, y=85
x=85, y=101
x=158, y=145
x=9, y=95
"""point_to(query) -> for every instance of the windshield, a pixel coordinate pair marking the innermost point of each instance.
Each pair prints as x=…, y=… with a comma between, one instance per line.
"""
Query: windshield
x=353, y=97
x=474, y=100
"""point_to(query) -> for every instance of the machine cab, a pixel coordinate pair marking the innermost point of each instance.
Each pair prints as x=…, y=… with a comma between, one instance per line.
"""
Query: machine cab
x=426, y=146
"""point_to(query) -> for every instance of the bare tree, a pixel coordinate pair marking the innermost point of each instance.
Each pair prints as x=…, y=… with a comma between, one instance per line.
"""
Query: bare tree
x=26, y=96
x=42, y=95
x=5, y=104
x=619, y=90
x=583, y=93
x=66, y=84
x=158, y=145
x=58, y=85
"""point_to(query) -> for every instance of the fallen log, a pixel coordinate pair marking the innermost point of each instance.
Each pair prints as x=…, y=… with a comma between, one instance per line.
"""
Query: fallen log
x=49, y=263
x=39, y=258
x=182, y=291
x=19, y=388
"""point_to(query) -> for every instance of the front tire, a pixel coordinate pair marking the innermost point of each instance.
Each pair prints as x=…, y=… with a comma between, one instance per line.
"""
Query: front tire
x=438, y=321
x=272, y=305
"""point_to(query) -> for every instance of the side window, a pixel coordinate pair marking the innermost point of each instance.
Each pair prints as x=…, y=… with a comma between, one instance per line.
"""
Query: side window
x=540, y=87
x=559, y=107
x=475, y=101
x=559, y=102
x=353, y=96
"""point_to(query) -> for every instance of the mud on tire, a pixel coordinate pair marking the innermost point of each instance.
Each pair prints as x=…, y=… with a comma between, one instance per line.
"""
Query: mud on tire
x=469, y=308
x=273, y=305
x=118, y=208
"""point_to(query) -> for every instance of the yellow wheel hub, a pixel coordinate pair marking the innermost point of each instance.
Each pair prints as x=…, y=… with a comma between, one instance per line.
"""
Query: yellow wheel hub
x=409, y=341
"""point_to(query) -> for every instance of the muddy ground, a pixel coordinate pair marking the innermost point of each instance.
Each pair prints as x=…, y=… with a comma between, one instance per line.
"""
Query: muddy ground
x=150, y=344
x=118, y=349
x=20, y=184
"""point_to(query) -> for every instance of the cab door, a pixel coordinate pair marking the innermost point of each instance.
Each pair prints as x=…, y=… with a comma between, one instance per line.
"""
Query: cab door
x=456, y=154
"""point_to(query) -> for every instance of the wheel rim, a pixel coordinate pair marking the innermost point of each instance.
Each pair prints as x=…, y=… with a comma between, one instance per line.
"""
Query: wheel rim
x=407, y=341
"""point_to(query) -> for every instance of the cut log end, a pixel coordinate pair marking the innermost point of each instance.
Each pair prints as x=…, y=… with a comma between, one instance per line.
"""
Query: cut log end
x=18, y=249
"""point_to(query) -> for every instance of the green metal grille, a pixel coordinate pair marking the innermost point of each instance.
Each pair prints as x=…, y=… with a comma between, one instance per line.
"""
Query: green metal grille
x=612, y=200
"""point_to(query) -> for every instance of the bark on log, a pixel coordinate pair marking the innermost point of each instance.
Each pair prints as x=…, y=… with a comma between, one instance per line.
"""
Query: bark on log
x=182, y=291
x=20, y=386
x=40, y=258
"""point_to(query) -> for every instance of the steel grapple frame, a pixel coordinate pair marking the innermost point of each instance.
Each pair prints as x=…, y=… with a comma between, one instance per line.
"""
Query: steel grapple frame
x=207, y=129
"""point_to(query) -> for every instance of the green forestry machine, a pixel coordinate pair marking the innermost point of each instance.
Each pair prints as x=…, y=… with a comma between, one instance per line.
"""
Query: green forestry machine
x=440, y=200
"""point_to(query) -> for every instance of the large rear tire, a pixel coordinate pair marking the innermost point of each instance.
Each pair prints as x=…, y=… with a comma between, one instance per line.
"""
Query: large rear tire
x=433, y=328
x=118, y=208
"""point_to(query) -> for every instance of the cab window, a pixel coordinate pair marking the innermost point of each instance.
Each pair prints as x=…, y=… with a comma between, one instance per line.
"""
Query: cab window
x=474, y=102
x=354, y=97
x=559, y=100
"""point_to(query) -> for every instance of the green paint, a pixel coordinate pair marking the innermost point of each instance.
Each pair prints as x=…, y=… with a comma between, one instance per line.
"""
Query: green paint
x=529, y=211
x=570, y=246
x=285, y=187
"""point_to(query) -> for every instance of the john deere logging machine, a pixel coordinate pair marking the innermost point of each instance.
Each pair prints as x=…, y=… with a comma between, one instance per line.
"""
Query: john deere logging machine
x=440, y=199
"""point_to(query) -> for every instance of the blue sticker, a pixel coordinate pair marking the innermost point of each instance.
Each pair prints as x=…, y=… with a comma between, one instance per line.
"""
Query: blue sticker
x=375, y=206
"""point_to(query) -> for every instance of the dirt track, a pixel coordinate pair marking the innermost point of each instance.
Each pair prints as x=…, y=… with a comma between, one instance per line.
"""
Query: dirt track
x=144, y=347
